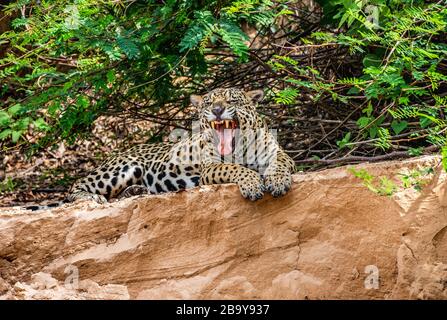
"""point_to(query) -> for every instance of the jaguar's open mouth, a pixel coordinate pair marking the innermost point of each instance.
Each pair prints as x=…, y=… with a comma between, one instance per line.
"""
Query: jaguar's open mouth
x=226, y=130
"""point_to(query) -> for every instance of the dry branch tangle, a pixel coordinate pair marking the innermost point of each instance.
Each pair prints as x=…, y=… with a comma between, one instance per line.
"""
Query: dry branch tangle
x=210, y=243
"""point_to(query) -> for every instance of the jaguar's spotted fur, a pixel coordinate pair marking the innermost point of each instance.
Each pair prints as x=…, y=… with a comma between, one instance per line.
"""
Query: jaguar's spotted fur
x=232, y=146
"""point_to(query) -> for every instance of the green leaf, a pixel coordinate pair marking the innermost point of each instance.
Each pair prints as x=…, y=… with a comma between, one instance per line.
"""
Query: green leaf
x=362, y=174
x=129, y=47
x=373, y=132
x=425, y=121
x=342, y=143
x=363, y=121
x=82, y=102
x=15, y=109
x=111, y=76
x=353, y=91
x=53, y=107
x=19, y=22
x=15, y=136
x=418, y=75
x=4, y=119
x=399, y=126
x=371, y=60
x=5, y=133
x=368, y=110
x=22, y=124
x=404, y=100
x=287, y=96
x=343, y=19
x=387, y=186
x=41, y=124
x=444, y=157
x=415, y=151
x=234, y=37
x=199, y=30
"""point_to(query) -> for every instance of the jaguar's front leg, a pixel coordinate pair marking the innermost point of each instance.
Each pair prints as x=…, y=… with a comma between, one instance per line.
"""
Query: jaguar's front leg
x=249, y=181
x=278, y=175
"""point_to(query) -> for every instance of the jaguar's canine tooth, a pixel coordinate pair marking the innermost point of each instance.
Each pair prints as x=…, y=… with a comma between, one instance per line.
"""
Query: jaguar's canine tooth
x=213, y=124
x=227, y=124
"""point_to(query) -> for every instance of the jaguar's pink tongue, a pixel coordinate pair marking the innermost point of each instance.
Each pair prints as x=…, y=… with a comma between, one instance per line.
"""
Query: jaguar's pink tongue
x=225, y=141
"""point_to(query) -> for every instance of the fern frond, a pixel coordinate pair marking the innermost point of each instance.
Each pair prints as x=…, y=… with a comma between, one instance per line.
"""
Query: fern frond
x=234, y=37
x=352, y=81
x=384, y=139
x=286, y=96
x=19, y=22
x=199, y=31
x=129, y=47
x=404, y=112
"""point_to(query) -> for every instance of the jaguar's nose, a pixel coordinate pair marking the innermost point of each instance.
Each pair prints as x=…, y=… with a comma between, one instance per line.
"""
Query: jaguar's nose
x=218, y=109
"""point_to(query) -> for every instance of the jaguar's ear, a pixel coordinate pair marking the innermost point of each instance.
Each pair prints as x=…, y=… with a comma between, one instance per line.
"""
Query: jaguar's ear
x=255, y=95
x=196, y=100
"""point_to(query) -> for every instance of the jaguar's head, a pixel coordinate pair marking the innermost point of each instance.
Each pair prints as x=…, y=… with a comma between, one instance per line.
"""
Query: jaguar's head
x=225, y=111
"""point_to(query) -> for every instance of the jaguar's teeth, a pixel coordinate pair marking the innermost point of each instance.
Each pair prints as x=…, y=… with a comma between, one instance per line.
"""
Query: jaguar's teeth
x=227, y=124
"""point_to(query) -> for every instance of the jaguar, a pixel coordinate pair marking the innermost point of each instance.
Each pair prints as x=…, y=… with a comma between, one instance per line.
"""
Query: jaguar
x=231, y=144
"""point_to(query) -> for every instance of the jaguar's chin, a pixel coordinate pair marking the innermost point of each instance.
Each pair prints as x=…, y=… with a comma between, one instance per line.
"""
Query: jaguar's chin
x=226, y=131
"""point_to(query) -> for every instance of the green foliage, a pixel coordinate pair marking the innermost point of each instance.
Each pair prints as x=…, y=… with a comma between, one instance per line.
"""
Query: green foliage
x=381, y=185
x=8, y=185
x=399, y=87
x=287, y=96
x=66, y=63
x=444, y=157
x=63, y=64
x=416, y=178
x=345, y=141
